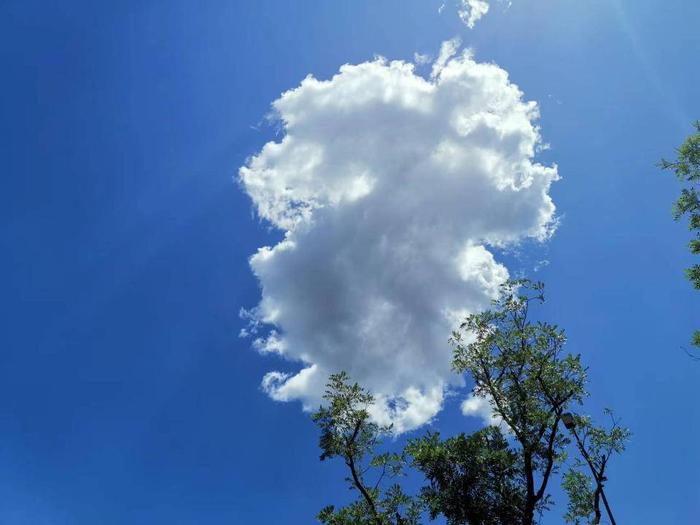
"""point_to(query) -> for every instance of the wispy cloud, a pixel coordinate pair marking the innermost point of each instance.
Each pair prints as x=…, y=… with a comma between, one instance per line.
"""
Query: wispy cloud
x=471, y=11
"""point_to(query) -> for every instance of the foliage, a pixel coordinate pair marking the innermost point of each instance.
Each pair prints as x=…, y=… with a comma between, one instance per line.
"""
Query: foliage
x=520, y=367
x=580, y=490
x=348, y=432
x=686, y=167
x=498, y=475
x=474, y=479
x=597, y=446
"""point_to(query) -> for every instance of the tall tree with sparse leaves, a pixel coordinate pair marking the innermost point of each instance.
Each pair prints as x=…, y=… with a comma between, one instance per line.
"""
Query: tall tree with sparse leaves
x=347, y=432
x=499, y=475
x=597, y=446
x=686, y=167
x=520, y=367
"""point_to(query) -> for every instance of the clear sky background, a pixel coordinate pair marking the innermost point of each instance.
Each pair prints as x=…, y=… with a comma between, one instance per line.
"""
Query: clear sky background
x=126, y=395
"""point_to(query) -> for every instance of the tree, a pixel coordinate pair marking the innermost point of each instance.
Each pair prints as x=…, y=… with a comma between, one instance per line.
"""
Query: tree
x=519, y=366
x=498, y=475
x=686, y=167
x=597, y=445
x=348, y=432
x=472, y=479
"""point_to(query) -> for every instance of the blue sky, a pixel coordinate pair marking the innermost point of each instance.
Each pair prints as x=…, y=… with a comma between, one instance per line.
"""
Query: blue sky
x=126, y=395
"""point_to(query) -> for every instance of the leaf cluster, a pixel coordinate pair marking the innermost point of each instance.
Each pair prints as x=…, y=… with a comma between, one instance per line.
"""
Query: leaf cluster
x=598, y=445
x=475, y=479
x=686, y=167
x=348, y=432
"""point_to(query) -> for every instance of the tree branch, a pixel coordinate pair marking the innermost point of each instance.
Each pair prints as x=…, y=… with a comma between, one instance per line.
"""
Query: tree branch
x=350, y=462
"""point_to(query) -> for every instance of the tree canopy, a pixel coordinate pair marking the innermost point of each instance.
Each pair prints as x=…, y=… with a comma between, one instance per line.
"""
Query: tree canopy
x=347, y=432
x=686, y=167
x=499, y=474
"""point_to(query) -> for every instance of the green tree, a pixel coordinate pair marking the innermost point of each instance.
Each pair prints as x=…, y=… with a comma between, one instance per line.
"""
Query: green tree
x=347, y=432
x=519, y=366
x=597, y=445
x=474, y=479
x=686, y=167
x=498, y=475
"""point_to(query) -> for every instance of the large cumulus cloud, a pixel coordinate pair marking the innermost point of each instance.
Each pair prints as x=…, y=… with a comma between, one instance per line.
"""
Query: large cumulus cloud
x=391, y=189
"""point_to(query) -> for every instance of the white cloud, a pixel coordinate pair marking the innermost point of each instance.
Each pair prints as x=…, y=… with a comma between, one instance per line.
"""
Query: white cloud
x=421, y=59
x=448, y=50
x=477, y=406
x=471, y=11
x=390, y=189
